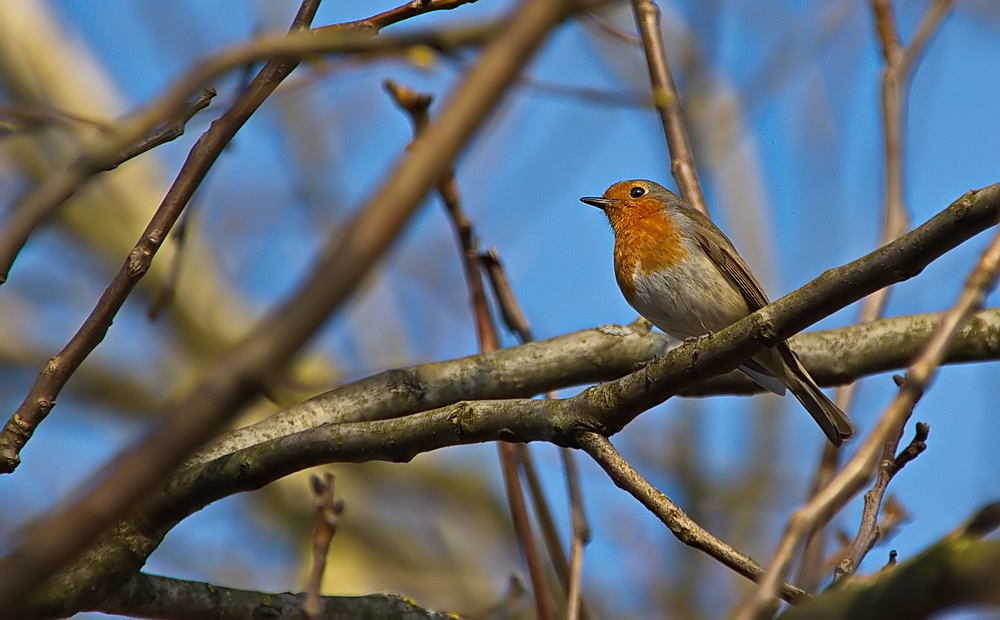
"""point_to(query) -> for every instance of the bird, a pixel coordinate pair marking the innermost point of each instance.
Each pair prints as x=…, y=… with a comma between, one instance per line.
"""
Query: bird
x=679, y=271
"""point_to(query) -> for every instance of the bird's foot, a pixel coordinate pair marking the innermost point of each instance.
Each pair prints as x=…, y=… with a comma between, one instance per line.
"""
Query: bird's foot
x=696, y=341
x=645, y=366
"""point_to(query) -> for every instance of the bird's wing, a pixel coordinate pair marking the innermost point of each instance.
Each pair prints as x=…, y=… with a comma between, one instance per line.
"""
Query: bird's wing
x=723, y=254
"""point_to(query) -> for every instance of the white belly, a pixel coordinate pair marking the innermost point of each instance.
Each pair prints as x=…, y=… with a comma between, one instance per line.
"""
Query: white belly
x=692, y=299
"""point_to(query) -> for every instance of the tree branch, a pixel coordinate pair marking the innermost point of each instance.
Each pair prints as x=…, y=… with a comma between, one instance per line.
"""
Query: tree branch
x=668, y=103
x=155, y=597
x=682, y=526
x=959, y=571
x=290, y=49
x=601, y=354
x=860, y=468
x=869, y=530
x=238, y=376
x=604, y=408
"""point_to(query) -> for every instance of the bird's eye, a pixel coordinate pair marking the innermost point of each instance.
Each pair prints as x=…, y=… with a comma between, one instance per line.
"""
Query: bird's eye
x=636, y=192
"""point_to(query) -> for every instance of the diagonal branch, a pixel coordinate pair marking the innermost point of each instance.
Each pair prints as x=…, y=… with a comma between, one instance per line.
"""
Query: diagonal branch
x=40, y=204
x=869, y=530
x=959, y=571
x=682, y=526
x=856, y=473
x=239, y=375
x=283, y=55
x=896, y=79
x=604, y=408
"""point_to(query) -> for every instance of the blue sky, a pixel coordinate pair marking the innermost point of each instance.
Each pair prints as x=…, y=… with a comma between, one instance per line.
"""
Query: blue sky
x=787, y=129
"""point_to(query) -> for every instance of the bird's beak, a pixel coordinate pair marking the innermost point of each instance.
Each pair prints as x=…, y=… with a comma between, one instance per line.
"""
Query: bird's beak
x=600, y=203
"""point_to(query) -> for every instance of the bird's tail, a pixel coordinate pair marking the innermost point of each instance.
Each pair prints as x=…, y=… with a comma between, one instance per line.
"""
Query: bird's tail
x=834, y=422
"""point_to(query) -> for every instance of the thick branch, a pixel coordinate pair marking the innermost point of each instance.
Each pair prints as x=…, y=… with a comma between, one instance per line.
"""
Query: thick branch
x=605, y=408
x=239, y=375
x=152, y=596
x=602, y=354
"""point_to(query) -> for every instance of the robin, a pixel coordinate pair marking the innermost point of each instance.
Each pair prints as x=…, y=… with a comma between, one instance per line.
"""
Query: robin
x=677, y=269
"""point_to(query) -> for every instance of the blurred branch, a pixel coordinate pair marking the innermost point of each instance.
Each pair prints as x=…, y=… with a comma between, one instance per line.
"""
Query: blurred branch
x=896, y=80
x=238, y=375
x=38, y=205
x=604, y=408
x=15, y=120
x=581, y=536
x=152, y=596
x=681, y=525
x=668, y=103
x=61, y=535
x=567, y=571
x=600, y=25
x=114, y=149
x=53, y=377
x=327, y=516
x=416, y=105
x=958, y=572
x=860, y=468
x=285, y=50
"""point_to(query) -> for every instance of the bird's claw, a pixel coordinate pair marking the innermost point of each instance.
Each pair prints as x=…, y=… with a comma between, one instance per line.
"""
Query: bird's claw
x=645, y=366
x=697, y=340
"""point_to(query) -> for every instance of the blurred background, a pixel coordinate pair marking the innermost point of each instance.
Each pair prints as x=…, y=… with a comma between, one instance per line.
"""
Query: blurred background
x=782, y=100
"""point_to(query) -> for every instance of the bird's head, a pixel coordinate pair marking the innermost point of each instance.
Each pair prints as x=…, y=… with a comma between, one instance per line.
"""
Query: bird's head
x=627, y=203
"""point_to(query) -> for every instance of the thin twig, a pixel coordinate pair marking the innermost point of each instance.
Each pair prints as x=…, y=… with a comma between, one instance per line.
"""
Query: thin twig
x=416, y=104
x=41, y=203
x=870, y=529
x=569, y=571
x=405, y=11
x=169, y=288
x=601, y=25
x=682, y=526
x=581, y=536
x=897, y=76
x=237, y=376
x=290, y=48
x=859, y=469
x=668, y=103
x=522, y=527
x=327, y=516
x=53, y=377
x=229, y=468
x=510, y=310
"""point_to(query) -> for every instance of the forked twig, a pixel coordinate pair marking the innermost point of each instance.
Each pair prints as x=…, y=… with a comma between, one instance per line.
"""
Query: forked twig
x=900, y=63
x=859, y=469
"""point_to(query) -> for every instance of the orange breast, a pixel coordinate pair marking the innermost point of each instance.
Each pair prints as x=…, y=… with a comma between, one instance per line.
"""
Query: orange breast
x=649, y=242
